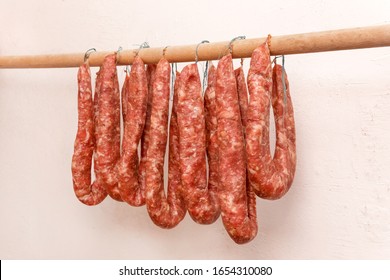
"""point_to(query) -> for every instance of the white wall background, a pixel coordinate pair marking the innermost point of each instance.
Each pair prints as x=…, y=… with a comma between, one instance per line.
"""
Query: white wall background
x=339, y=205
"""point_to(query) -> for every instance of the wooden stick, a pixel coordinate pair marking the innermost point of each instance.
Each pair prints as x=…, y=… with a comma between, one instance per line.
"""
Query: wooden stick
x=333, y=40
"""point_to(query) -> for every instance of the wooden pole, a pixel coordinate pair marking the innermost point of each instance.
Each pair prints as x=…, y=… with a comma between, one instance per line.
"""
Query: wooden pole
x=333, y=40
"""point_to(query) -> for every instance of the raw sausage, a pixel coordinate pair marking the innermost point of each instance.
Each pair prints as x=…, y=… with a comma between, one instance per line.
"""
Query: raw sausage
x=85, y=144
x=270, y=177
x=282, y=106
x=201, y=202
x=130, y=188
x=175, y=189
x=238, y=209
x=108, y=127
x=124, y=94
x=243, y=101
x=150, y=74
x=165, y=211
x=242, y=94
x=210, y=111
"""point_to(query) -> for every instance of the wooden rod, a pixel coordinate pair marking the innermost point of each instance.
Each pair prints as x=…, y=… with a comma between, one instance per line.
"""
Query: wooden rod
x=332, y=40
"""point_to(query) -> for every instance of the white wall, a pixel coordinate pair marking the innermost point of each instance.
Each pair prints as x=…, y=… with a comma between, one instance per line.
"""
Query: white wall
x=339, y=205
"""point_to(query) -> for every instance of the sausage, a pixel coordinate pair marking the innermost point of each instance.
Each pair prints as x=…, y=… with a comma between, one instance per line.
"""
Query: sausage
x=242, y=94
x=150, y=74
x=284, y=161
x=85, y=143
x=243, y=101
x=270, y=177
x=210, y=111
x=238, y=210
x=130, y=189
x=108, y=127
x=201, y=203
x=175, y=189
x=165, y=211
x=124, y=94
x=98, y=83
x=288, y=113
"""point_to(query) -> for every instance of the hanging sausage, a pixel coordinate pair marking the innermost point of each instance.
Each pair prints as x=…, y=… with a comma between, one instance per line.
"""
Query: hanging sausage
x=168, y=210
x=238, y=206
x=124, y=94
x=243, y=101
x=150, y=74
x=211, y=134
x=201, y=201
x=270, y=177
x=242, y=94
x=136, y=94
x=85, y=143
x=108, y=127
x=284, y=114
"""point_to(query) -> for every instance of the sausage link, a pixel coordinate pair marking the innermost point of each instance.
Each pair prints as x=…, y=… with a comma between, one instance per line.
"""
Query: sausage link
x=242, y=94
x=210, y=111
x=124, y=94
x=108, y=127
x=165, y=211
x=150, y=74
x=270, y=177
x=240, y=223
x=243, y=101
x=202, y=204
x=284, y=161
x=85, y=143
x=130, y=188
x=98, y=84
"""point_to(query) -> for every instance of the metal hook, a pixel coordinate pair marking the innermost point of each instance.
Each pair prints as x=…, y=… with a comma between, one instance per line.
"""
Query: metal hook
x=117, y=53
x=88, y=53
x=283, y=82
x=144, y=45
x=164, y=51
x=276, y=56
x=173, y=79
x=196, y=50
x=205, y=77
x=230, y=47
